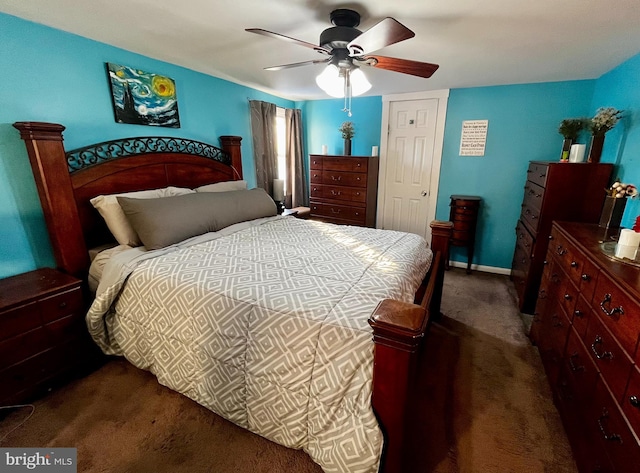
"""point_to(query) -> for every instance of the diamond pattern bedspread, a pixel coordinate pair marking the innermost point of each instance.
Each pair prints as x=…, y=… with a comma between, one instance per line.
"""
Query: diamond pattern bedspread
x=267, y=326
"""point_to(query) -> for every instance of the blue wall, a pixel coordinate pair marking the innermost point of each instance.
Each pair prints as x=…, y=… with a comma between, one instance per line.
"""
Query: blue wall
x=71, y=87
x=620, y=88
x=523, y=126
x=324, y=117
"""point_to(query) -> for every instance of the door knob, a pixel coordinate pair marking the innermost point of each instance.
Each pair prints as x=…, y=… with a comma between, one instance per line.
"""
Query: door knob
x=423, y=193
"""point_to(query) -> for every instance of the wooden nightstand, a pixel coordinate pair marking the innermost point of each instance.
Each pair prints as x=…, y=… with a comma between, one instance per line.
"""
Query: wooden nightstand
x=464, y=215
x=43, y=336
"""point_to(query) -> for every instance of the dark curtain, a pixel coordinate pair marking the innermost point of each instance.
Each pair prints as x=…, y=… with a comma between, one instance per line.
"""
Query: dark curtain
x=265, y=153
x=297, y=187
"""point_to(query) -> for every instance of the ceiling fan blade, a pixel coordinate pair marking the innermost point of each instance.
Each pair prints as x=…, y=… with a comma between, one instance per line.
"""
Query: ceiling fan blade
x=296, y=64
x=405, y=66
x=271, y=34
x=386, y=32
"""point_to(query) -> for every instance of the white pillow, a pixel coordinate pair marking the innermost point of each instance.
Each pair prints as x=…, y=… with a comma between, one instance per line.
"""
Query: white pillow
x=115, y=218
x=223, y=186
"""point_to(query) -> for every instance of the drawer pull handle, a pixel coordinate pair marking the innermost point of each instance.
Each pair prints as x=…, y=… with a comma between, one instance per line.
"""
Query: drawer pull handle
x=567, y=297
x=335, y=193
x=605, y=435
x=574, y=264
x=635, y=402
x=607, y=355
x=542, y=294
x=610, y=312
x=572, y=365
x=578, y=313
x=335, y=211
x=62, y=305
x=557, y=322
x=585, y=277
x=561, y=251
x=550, y=237
x=336, y=178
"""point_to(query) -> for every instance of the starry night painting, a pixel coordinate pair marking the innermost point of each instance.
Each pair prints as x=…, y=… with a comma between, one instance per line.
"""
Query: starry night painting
x=143, y=98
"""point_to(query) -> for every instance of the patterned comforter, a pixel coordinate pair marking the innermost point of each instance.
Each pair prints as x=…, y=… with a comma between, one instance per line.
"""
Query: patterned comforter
x=265, y=323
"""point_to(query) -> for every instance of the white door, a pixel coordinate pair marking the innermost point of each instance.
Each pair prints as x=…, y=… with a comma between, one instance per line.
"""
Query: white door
x=410, y=162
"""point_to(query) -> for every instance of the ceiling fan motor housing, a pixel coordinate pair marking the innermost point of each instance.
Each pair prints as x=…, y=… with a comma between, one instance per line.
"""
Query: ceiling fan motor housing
x=338, y=37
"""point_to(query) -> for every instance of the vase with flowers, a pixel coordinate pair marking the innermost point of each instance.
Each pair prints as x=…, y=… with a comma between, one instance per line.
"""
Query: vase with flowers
x=570, y=128
x=615, y=202
x=603, y=121
x=348, y=131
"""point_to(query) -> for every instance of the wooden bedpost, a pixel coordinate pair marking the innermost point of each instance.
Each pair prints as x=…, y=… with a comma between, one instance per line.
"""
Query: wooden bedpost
x=398, y=331
x=231, y=144
x=48, y=161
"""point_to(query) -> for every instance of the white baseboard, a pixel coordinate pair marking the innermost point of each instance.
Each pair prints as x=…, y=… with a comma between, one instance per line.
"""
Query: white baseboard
x=480, y=267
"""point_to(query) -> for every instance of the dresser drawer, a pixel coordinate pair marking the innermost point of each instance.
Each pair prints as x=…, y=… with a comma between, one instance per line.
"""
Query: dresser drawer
x=612, y=361
x=523, y=238
x=537, y=173
x=533, y=195
x=631, y=401
x=567, y=295
x=61, y=305
x=582, y=313
x=531, y=217
x=618, y=312
x=581, y=371
x=611, y=427
x=19, y=319
x=315, y=162
x=348, y=194
x=345, y=164
x=341, y=212
x=336, y=178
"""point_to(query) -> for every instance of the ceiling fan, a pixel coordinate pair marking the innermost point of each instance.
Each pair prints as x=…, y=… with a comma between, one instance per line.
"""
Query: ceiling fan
x=347, y=49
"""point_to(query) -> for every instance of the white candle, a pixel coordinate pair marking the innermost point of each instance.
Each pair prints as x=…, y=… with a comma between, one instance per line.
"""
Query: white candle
x=626, y=251
x=629, y=238
x=278, y=190
x=325, y=150
x=374, y=151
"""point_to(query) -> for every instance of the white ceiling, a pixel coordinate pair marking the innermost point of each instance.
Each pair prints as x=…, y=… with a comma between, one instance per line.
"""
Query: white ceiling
x=476, y=42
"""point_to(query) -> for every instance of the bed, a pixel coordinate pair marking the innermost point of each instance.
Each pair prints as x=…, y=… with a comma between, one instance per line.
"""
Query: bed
x=367, y=425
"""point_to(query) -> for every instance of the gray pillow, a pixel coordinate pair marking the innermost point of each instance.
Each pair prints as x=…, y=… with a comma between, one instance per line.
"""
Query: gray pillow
x=164, y=221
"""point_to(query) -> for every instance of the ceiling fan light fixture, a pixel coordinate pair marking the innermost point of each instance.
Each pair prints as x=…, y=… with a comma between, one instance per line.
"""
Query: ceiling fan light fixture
x=331, y=81
x=359, y=82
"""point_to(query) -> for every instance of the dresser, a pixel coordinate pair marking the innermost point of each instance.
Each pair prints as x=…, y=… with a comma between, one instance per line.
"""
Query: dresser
x=552, y=191
x=587, y=327
x=464, y=216
x=43, y=336
x=344, y=189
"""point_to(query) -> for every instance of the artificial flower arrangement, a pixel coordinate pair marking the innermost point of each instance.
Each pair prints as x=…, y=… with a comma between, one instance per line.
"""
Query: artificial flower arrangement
x=570, y=128
x=604, y=120
x=347, y=130
x=620, y=190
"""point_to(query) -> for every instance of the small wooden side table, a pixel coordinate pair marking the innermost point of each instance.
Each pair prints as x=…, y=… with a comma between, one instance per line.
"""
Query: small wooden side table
x=464, y=215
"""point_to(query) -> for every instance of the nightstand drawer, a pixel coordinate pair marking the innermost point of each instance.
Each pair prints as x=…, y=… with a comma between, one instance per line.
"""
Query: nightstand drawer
x=61, y=305
x=23, y=346
x=19, y=320
x=537, y=173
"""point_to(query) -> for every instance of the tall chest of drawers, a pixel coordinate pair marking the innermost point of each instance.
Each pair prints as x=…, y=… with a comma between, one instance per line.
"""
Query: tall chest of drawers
x=552, y=191
x=344, y=189
x=587, y=330
x=43, y=335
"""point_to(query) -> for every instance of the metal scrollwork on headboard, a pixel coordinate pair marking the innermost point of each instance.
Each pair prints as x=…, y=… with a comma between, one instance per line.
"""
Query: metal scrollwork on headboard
x=81, y=158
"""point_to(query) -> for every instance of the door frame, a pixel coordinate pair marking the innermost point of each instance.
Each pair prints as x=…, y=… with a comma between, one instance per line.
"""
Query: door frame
x=442, y=96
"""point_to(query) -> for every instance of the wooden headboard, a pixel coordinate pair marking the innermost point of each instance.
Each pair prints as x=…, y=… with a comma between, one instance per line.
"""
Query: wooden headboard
x=66, y=181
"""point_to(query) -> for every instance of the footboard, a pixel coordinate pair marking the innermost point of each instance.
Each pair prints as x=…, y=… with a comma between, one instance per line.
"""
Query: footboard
x=398, y=331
